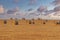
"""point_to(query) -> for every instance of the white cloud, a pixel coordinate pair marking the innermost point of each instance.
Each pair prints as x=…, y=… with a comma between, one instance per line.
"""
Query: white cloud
x=1, y=9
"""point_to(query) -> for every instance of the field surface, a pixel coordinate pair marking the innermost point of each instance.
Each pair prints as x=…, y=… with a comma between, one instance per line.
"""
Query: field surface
x=48, y=31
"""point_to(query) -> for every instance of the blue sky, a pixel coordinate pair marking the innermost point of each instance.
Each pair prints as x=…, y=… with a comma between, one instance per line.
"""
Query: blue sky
x=24, y=4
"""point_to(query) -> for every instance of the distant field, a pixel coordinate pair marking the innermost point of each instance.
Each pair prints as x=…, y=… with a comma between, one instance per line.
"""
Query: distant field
x=25, y=31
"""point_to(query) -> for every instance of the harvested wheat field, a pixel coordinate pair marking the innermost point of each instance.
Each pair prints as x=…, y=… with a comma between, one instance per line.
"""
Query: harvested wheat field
x=29, y=29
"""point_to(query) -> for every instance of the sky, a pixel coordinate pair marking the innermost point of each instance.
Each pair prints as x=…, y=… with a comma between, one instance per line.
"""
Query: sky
x=46, y=9
x=24, y=4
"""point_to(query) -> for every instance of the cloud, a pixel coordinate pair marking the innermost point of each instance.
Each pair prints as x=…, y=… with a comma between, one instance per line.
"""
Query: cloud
x=13, y=11
x=42, y=8
x=56, y=2
x=48, y=12
x=57, y=8
x=57, y=11
x=37, y=13
x=1, y=9
x=30, y=9
x=44, y=11
x=34, y=14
